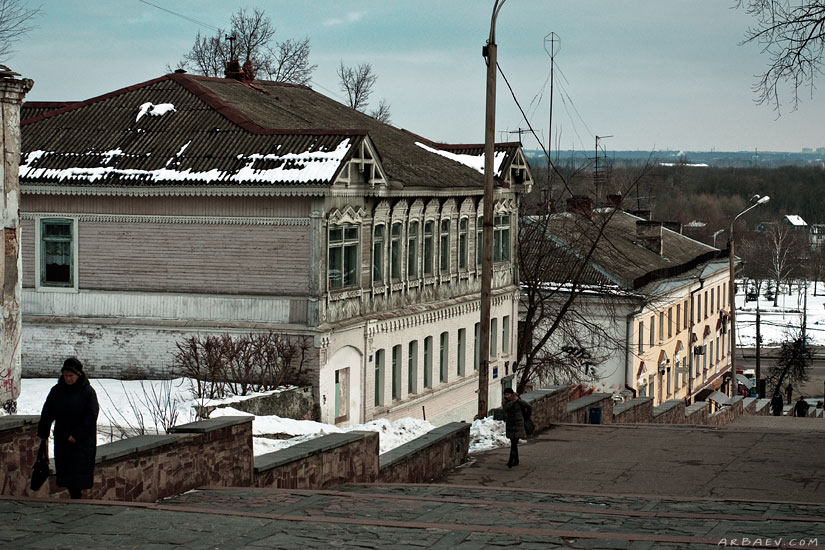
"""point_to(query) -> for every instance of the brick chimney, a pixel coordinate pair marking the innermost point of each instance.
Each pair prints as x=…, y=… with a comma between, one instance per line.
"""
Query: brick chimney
x=581, y=205
x=233, y=70
x=615, y=201
x=649, y=235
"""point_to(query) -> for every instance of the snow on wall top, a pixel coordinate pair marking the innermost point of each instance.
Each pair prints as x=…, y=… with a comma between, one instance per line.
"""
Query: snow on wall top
x=304, y=167
x=476, y=162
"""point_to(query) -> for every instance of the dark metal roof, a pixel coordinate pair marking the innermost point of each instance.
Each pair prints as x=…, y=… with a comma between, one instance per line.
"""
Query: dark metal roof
x=219, y=132
x=618, y=255
x=31, y=109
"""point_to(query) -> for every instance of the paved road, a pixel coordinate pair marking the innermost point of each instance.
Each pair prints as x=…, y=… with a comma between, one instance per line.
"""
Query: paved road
x=577, y=487
x=813, y=387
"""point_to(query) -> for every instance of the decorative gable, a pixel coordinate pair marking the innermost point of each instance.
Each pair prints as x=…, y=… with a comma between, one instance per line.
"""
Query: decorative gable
x=519, y=171
x=364, y=167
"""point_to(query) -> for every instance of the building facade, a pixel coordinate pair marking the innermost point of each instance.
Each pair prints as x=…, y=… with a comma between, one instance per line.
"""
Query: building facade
x=190, y=205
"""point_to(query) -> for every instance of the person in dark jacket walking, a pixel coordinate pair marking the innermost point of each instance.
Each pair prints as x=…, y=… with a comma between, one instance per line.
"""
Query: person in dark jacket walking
x=513, y=422
x=801, y=407
x=777, y=404
x=72, y=406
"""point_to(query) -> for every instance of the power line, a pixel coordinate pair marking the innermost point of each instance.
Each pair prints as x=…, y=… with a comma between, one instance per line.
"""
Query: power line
x=176, y=14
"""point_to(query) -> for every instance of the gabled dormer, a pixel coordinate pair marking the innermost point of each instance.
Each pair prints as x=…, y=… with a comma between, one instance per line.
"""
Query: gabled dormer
x=363, y=168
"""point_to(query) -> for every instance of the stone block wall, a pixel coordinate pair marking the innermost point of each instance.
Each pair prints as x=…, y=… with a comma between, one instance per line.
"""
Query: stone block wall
x=139, y=469
x=634, y=411
x=670, y=412
x=549, y=405
x=320, y=463
x=428, y=457
x=18, y=451
x=697, y=413
x=578, y=411
x=728, y=413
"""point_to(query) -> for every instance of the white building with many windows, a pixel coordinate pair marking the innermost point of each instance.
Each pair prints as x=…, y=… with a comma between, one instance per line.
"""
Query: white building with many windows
x=190, y=205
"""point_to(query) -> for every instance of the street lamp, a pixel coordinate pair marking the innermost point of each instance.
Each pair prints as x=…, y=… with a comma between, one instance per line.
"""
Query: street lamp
x=490, y=53
x=756, y=200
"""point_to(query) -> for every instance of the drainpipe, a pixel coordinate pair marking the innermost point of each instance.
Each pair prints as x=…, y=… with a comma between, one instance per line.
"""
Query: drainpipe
x=691, y=355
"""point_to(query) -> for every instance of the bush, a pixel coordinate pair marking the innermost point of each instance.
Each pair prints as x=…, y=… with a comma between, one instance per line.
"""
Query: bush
x=237, y=365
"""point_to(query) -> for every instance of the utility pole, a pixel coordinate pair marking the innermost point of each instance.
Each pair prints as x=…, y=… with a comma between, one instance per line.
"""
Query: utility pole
x=489, y=52
x=598, y=178
x=553, y=38
x=759, y=391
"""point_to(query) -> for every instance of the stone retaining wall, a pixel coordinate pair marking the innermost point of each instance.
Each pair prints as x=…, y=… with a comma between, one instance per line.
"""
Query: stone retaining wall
x=140, y=469
x=727, y=413
x=428, y=457
x=333, y=459
x=670, y=412
x=635, y=411
x=18, y=451
x=578, y=411
x=697, y=413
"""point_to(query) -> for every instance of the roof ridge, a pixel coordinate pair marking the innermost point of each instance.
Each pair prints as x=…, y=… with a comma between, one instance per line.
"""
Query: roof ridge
x=447, y=146
x=79, y=104
x=189, y=82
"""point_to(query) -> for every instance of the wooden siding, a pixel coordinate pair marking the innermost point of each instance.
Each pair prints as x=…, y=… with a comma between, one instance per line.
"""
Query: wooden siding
x=220, y=259
x=171, y=206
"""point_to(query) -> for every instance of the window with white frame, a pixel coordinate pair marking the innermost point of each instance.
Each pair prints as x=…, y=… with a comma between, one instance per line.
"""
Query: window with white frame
x=443, y=356
x=343, y=257
x=379, y=377
x=396, y=372
x=461, y=351
x=501, y=238
x=58, y=253
x=444, y=246
x=378, y=254
x=412, y=250
x=412, y=367
x=428, y=362
x=505, y=334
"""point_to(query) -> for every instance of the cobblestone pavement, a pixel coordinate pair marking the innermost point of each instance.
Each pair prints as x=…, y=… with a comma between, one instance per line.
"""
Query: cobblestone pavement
x=408, y=516
x=485, y=505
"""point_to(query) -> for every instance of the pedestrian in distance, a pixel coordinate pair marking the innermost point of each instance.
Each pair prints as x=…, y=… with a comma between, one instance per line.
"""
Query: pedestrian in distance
x=789, y=394
x=73, y=408
x=514, y=412
x=801, y=407
x=777, y=404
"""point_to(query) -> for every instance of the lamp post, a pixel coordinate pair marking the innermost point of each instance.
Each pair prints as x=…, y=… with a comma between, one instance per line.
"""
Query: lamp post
x=756, y=200
x=489, y=52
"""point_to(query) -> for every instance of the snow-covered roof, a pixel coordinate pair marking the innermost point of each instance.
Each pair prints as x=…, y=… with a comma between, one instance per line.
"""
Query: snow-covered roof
x=476, y=162
x=795, y=220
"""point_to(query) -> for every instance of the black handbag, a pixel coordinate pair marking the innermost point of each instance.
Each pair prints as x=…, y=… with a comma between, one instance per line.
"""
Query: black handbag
x=40, y=470
x=526, y=413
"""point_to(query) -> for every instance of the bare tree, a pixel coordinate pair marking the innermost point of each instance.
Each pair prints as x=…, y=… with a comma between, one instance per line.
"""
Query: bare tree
x=795, y=359
x=783, y=247
x=251, y=39
x=16, y=19
x=382, y=113
x=357, y=83
x=792, y=35
x=561, y=338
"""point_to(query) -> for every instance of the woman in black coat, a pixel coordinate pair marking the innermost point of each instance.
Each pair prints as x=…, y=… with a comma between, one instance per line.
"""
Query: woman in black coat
x=514, y=412
x=72, y=406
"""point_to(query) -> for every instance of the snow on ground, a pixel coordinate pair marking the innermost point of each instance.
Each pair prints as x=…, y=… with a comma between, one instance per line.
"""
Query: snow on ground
x=124, y=403
x=784, y=320
x=486, y=434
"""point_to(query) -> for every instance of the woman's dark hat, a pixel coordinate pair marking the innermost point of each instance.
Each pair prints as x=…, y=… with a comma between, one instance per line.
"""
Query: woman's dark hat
x=508, y=390
x=74, y=365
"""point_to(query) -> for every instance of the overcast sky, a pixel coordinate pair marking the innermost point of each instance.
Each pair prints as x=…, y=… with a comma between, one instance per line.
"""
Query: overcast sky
x=653, y=74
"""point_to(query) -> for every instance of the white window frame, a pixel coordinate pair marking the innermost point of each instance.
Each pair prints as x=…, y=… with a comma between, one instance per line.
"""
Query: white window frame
x=38, y=245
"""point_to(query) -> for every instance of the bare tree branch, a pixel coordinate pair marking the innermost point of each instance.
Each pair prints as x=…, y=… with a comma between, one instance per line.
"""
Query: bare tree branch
x=357, y=83
x=16, y=19
x=792, y=35
x=251, y=37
